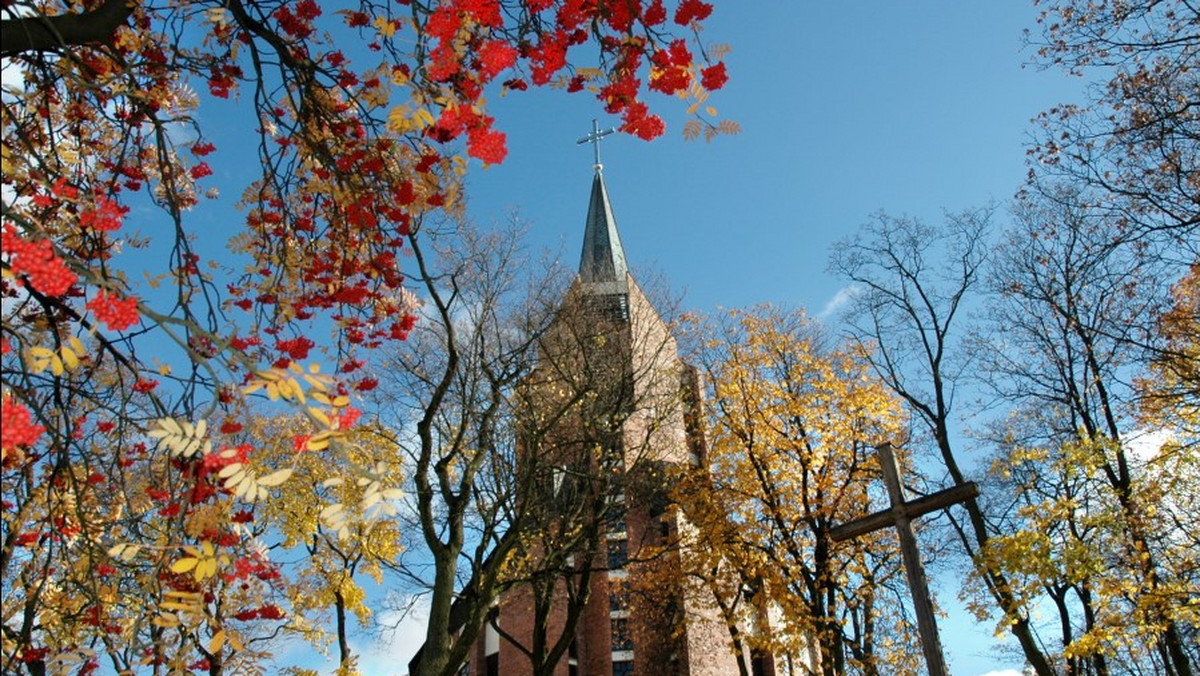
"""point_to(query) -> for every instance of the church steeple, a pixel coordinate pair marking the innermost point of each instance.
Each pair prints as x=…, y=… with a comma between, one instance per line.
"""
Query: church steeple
x=602, y=266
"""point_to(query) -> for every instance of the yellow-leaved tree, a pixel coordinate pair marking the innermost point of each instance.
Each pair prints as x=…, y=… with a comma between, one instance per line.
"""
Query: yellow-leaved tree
x=1097, y=525
x=793, y=419
x=335, y=525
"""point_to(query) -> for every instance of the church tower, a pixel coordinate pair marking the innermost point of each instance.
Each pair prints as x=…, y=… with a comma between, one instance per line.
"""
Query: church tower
x=632, y=423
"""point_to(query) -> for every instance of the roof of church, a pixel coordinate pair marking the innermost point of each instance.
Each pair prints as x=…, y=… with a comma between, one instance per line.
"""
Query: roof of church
x=602, y=265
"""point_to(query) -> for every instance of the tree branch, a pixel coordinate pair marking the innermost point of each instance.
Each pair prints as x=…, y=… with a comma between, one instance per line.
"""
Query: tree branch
x=43, y=33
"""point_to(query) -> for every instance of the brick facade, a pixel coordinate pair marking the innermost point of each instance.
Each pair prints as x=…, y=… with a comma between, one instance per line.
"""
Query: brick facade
x=640, y=618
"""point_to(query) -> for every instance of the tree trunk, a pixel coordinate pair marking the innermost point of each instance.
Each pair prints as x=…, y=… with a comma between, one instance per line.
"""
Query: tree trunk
x=343, y=639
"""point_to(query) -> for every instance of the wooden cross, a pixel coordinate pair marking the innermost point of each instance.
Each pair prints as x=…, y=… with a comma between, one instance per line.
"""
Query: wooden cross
x=594, y=139
x=900, y=515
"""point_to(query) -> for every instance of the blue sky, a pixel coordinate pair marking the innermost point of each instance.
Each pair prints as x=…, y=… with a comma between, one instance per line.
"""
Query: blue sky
x=846, y=109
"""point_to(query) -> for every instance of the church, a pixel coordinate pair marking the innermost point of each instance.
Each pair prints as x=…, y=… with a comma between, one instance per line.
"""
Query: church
x=618, y=603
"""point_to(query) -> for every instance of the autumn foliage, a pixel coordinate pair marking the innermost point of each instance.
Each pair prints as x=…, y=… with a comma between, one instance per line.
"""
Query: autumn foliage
x=792, y=418
x=137, y=351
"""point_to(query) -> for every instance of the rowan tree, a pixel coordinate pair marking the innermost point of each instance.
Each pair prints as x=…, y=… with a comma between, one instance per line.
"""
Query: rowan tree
x=129, y=345
x=792, y=422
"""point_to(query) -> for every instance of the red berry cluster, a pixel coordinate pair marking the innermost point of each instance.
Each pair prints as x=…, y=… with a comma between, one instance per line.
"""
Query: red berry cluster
x=105, y=215
x=116, y=313
x=672, y=68
x=16, y=425
x=714, y=77
x=36, y=260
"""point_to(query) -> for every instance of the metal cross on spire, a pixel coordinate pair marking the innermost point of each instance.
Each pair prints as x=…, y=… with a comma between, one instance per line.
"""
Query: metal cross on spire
x=594, y=139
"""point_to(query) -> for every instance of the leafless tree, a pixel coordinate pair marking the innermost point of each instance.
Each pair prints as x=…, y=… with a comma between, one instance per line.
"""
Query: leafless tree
x=912, y=284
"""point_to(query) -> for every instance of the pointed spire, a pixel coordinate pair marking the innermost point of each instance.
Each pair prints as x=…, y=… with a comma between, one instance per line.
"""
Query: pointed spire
x=602, y=266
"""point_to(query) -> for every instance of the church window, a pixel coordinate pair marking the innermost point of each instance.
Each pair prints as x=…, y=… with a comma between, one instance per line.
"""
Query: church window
x=493, y=664
x=623, y=668
x=758, y=664
x=615, y=519
x=618, y=601
x=618, y=553
x=622, y=639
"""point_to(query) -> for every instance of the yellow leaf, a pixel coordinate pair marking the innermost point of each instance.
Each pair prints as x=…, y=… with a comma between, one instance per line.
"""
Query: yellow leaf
x=294, y=389
x=70, y=359
x=318, y=442
x=386, y=27
x=206, y=569
x=176, y=605
x=247, y=488
x=217, y=642
x=184, y=565
x=320, y=416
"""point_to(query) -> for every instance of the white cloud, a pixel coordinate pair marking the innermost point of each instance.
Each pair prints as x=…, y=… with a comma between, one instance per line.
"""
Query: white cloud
x=385, y=653
x=1145, y=444
x=389, y=654
x=839, y=301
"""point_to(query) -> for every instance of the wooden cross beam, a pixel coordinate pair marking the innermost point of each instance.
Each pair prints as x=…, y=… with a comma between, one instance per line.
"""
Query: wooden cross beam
x=594, y=139
x=900, y=515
